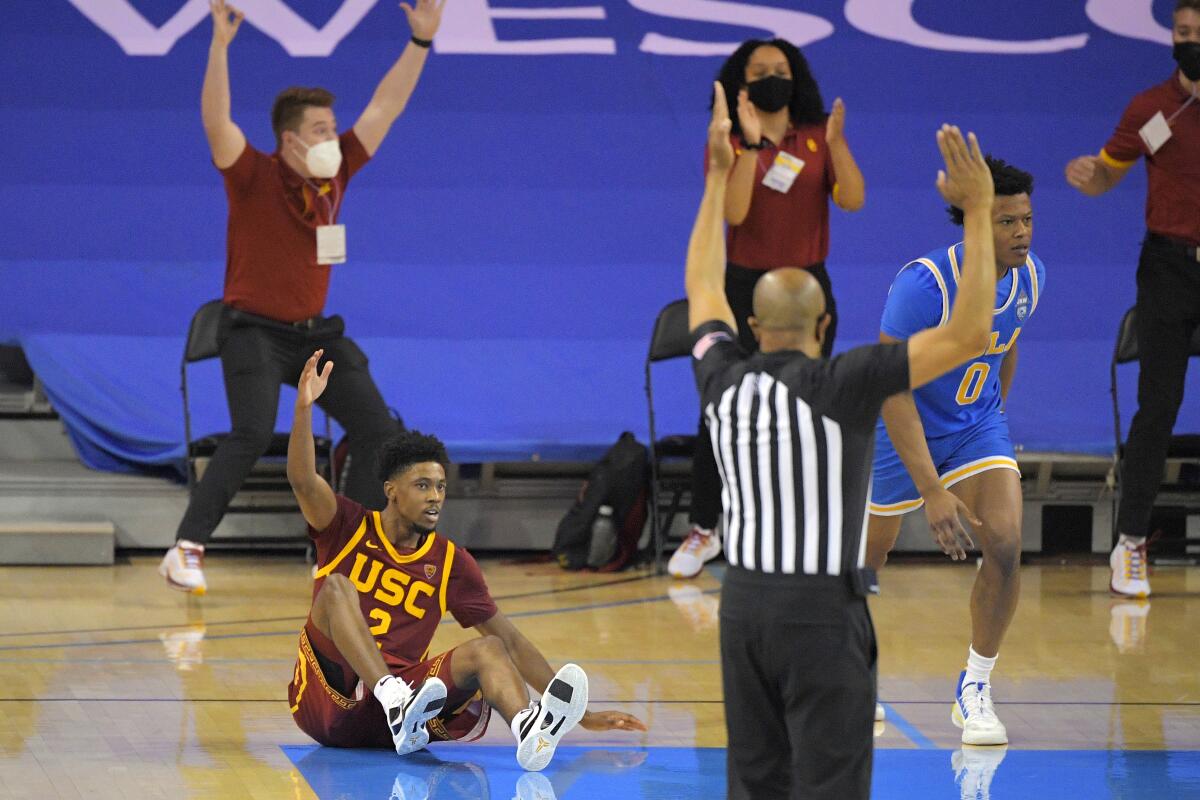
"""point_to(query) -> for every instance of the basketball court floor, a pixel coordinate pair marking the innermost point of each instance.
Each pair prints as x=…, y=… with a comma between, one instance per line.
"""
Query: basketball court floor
x=111, y=686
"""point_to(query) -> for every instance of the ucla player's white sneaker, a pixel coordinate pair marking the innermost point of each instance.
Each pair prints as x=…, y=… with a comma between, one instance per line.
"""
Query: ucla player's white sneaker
x=974, y=713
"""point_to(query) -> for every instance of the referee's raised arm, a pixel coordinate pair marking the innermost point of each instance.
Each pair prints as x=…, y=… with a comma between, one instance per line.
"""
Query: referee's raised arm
x=965, y=183
x=705, y=280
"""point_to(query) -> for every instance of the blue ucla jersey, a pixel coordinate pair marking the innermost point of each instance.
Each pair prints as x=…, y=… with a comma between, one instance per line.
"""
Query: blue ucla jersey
x=921, y=297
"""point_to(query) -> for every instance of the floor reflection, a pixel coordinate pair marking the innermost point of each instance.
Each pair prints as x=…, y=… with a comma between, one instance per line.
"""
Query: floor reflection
x=974, y=768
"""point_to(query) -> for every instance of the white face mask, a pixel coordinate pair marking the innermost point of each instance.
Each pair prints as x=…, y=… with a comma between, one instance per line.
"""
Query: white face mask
x=322, y=159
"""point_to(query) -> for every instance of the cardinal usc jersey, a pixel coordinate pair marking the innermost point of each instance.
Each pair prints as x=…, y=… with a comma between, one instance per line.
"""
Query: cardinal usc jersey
x=403, y=594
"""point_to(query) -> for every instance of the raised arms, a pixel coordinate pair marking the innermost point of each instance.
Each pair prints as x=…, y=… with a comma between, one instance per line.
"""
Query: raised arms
x=225, y=138
x=705, y=277
x=317, y=500
x=393, y=92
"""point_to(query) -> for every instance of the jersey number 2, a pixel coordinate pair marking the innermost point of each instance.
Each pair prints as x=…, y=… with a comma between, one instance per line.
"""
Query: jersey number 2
x=385, y=619
x=972, y=383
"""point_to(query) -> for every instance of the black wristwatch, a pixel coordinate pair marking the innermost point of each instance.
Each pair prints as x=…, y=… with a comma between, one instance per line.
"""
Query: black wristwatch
x=763, y=143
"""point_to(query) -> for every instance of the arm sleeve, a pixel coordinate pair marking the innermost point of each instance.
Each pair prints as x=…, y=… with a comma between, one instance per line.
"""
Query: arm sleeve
x=915, y=302
x=1125, y=145
x=714, y=347
x=240, y=175
x=354, y=155
x=467, y=595
x=866, y=376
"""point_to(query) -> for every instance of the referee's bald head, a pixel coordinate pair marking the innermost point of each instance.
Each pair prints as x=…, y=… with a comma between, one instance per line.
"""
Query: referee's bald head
x=788, y=299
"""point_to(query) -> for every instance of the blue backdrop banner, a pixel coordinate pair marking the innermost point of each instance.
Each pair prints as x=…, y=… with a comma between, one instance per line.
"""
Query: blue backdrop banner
x=528, y=215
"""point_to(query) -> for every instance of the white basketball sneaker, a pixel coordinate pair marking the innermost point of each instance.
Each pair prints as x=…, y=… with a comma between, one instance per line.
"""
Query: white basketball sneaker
x=183, y=567
x=701, y=546
x=408, y=710
x=880, y=713
x=540, y=727
x=974, y=713
x=974, y=768
x=1129, y=570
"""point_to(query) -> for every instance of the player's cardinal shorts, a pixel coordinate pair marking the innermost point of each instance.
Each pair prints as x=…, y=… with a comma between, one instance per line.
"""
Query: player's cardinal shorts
x=331, y=705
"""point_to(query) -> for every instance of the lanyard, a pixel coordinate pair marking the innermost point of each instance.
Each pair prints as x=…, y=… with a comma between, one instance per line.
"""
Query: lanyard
x=1190, y=100
x=331, y=206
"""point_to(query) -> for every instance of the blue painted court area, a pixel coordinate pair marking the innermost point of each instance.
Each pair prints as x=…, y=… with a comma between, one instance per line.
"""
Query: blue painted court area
x=465, y=772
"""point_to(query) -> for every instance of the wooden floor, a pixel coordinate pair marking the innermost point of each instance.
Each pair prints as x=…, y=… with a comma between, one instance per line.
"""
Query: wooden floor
x=113, y=686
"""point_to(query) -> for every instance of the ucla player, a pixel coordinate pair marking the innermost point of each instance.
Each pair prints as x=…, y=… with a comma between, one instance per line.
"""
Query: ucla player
x=365, y=676
x=946, y=445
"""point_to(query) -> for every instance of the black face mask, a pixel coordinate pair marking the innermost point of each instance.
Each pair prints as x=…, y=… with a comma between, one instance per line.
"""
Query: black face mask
x=770, y=93
x=1187, y=56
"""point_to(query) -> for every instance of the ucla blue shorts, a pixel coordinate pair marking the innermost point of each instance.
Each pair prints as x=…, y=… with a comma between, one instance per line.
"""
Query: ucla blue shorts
x=959, y=456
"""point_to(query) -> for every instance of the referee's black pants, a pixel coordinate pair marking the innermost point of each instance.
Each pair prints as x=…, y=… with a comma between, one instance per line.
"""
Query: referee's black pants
x=739, y=290
x=798, y=668
x=256, y=360
x=1168, y=312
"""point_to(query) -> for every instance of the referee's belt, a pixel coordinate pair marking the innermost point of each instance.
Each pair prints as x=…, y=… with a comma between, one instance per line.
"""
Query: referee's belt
x=1178, y=245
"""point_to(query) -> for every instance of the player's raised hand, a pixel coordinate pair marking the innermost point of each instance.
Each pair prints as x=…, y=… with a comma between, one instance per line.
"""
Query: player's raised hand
x=425, y=18
x=226, y=21
x=835, y=126
x=748, y=118
x=720, y=150
x=945, y=512
x=1081, y=171
x=966, y=182
x=611, y=721
x=312, y=383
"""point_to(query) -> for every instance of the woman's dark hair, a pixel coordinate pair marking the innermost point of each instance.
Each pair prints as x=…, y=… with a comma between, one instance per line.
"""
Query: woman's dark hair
x=400, y=451
x=1008, y=181
x=806, y=106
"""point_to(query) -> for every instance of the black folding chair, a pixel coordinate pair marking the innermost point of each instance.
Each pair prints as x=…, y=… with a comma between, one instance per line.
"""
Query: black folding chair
x=669, y=340
x=1183, y=447
x=204, y=342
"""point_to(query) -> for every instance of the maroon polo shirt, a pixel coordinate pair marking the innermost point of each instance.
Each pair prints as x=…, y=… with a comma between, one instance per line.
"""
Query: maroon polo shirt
x=786, y=229
x=271, y=264
x=1173, y=191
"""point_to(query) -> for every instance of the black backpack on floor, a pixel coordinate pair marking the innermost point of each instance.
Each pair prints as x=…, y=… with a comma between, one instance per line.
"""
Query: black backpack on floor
x=617, y=480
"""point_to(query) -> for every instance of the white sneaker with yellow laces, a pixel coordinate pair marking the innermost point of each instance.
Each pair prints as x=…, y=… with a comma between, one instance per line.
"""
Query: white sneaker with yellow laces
x=701, y=546
x=183, y=567
x=1129, y=569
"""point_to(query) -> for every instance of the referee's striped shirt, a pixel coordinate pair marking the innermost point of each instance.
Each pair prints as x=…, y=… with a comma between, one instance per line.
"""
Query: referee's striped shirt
x=793, y=439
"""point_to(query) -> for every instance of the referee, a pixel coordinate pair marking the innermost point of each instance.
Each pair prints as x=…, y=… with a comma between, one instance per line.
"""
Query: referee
x=793, y=435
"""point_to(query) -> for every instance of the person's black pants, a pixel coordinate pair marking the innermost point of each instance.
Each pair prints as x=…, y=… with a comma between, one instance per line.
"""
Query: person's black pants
x=799, y=687
x=739, y=289
x=256, y=360
x=1168, y=311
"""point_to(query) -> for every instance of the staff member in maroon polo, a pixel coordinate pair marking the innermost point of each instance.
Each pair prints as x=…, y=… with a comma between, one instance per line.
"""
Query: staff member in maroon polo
x=1163, y=125
x=791, y=158
x=282, y=238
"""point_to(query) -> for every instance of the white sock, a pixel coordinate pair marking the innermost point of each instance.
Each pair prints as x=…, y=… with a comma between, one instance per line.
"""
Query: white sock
x=519, y=719
x=391, y=692
x=979, y=668
x=1131, y=541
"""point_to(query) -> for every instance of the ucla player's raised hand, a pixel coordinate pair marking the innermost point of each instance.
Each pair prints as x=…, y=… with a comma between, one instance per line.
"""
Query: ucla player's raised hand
x=720, y=150
x=966, y=182
x=312, y=383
